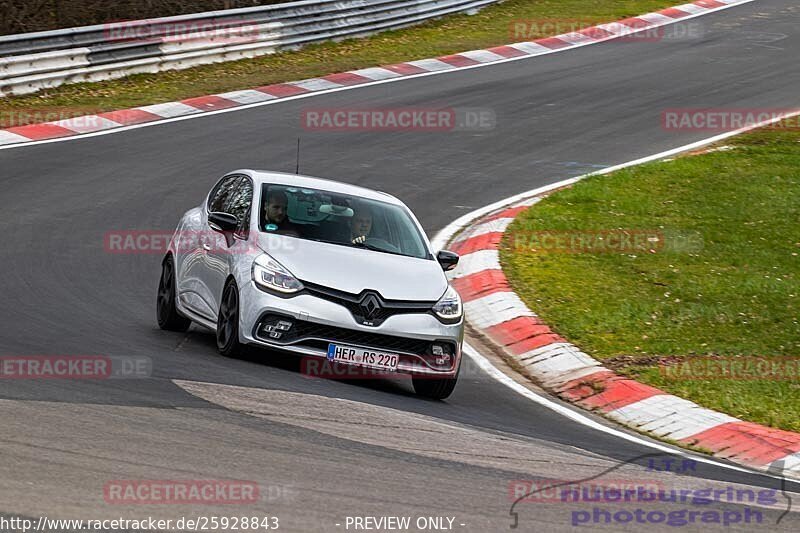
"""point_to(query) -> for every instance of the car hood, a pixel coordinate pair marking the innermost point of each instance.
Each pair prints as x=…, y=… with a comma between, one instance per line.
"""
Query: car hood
x=353, y=270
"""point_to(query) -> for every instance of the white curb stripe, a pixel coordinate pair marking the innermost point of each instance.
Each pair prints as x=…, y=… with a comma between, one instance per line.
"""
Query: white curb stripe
x=482, y=56
x=477, y=262
x=376, y=73
x=529, y=202
x=6, y=137
x=557, y=380
x=170, y=109
x=531, y=48
x=86, y=124
x=691, y=9
x=247, y=96
x=315, y=84
x=495, y=308
x=656, y=18
x=669, y=416
x=431, y=65
x=620, y=29
x=554, y=360
x=575, y=38
x=498, y=225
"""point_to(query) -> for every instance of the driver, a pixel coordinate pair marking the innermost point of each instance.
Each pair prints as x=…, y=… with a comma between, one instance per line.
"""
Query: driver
x=360, y=225
x=276, y=220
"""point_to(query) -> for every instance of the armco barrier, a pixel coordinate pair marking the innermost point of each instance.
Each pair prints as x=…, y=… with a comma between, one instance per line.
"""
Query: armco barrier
x=34, y=61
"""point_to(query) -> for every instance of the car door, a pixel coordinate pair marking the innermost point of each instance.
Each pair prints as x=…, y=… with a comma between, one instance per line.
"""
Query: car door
x=199, y=295
x=222, y=250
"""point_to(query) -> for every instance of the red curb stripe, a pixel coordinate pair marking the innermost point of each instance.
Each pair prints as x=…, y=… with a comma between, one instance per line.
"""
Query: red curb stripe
x=487, y=241
x=130, y=116
x=579, y=388
x=596, y=33
x=209, y=103
x=457, y=60
x=553, y=43
x=346, y=78
x=617, y=391
x=708, y=4
x=747, y=442
x=635, y=23
x=674, y=13
x=282, y=89
x=533, y=343
x=405, y=69
x=517, y=330
x=507, y=51
x=38, y=132
x=481, y=284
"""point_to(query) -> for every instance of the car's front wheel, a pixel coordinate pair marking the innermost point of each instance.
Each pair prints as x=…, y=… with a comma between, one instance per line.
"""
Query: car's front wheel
x=434, y=388
x=228, y=321
x=166, y=311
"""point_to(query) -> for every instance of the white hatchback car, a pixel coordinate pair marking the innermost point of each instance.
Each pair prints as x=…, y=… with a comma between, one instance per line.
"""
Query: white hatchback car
x=318, y=268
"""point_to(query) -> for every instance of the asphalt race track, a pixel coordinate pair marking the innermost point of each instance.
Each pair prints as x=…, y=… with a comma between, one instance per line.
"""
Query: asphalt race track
x=322, y=450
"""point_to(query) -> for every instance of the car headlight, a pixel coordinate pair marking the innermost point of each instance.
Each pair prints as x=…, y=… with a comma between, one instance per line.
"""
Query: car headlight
x=272, y=276
x=449, y=309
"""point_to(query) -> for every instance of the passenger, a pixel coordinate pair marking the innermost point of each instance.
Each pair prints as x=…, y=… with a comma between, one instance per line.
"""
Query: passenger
x=275, y=216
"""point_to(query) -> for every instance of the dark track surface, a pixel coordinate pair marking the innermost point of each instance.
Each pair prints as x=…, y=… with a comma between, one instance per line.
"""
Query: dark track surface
x=557, y=116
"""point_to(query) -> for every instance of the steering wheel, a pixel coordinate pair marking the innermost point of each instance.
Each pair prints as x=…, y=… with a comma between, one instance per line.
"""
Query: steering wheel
x=382, y=243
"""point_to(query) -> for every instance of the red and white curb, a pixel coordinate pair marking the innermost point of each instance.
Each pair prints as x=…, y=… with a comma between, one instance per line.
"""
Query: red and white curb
x=116, y=120
x=497, y=312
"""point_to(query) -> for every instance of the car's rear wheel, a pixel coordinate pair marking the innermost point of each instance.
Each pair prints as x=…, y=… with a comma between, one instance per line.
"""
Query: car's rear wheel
x=166, y=311
x=434, y=388
x=228, y=321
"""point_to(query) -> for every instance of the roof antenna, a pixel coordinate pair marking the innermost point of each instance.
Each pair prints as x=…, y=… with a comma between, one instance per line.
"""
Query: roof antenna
x=297, y=166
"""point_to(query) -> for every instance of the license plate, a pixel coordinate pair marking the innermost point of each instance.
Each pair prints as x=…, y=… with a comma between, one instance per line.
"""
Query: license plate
x=352, y=355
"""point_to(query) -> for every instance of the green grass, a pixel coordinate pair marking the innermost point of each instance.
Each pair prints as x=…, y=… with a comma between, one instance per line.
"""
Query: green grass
x=457, y=33
x=727, y=283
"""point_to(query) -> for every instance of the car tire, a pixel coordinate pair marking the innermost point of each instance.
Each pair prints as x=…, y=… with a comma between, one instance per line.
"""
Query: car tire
x=434, y=388
x=228, y=321
x=166, y=311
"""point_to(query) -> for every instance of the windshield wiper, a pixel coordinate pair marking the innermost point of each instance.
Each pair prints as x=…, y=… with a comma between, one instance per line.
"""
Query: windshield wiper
x=376, y=248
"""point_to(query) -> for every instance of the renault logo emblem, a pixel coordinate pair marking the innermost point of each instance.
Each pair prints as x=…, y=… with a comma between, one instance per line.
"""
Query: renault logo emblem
x=370, y=306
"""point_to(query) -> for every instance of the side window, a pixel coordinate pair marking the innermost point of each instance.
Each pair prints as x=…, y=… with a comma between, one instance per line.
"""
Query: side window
x=238, y=203
x=219, y=196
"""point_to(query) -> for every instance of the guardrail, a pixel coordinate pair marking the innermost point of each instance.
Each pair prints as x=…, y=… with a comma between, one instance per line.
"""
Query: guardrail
x=33, y=61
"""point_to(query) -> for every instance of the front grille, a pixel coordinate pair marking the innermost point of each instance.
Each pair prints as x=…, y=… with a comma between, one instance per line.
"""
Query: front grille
x=319, y=335
x=353, y=304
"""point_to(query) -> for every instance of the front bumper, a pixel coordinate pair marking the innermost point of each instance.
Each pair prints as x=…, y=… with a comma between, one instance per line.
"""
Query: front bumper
x=316, y=322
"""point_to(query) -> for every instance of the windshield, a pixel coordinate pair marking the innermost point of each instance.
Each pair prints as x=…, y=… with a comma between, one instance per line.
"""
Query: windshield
x=336, y=218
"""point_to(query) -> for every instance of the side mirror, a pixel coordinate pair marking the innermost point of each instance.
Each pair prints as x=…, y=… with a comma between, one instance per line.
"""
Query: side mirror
x=447, y=259
x=224, y=222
